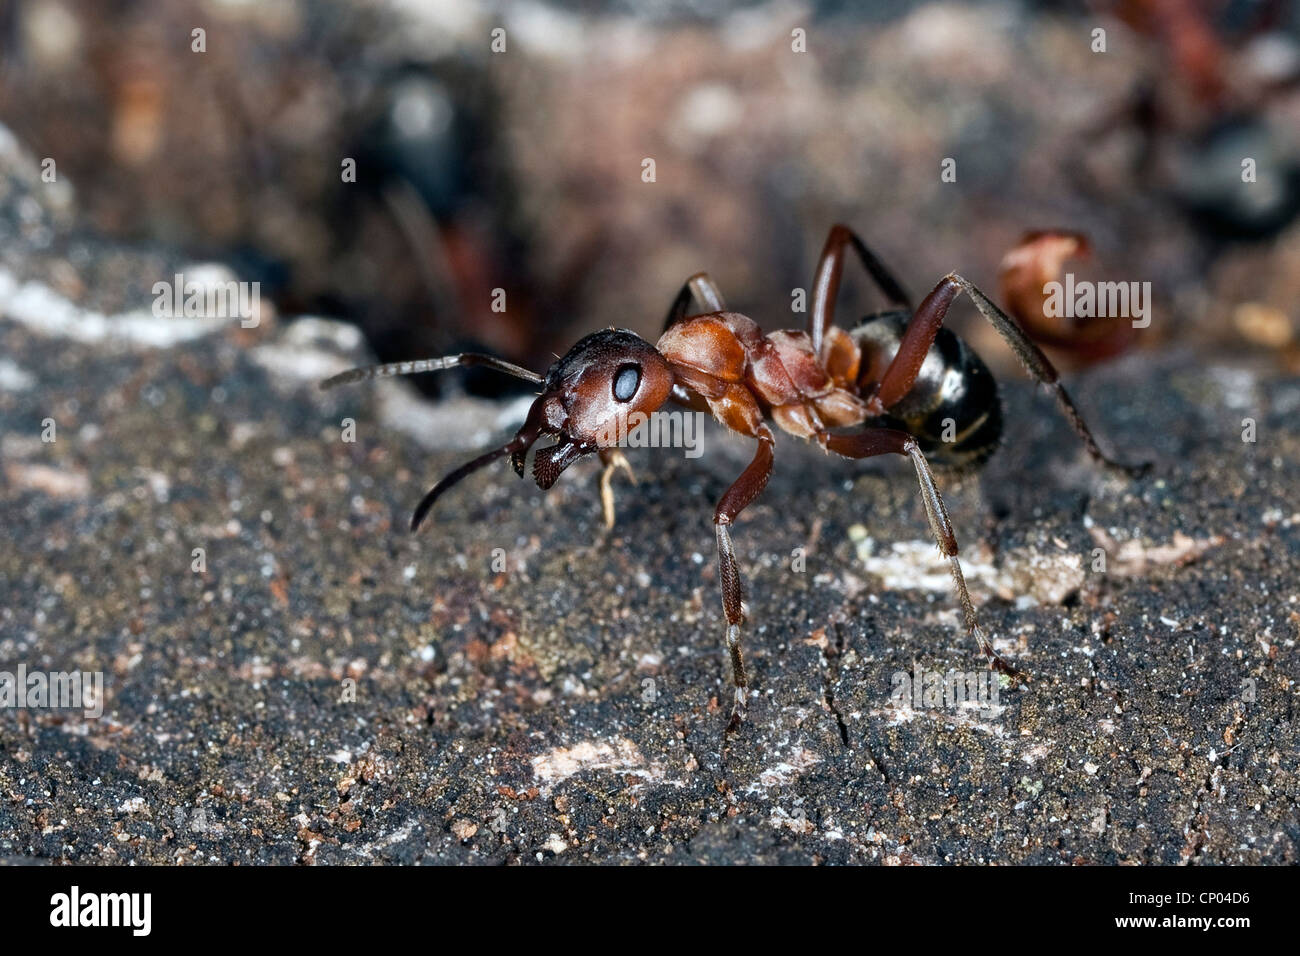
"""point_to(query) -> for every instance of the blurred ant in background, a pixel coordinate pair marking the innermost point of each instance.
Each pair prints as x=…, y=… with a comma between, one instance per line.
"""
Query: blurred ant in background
x=1202, y=112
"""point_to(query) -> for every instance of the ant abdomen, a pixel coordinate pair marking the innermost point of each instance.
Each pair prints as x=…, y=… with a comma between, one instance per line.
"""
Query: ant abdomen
x=952, y=409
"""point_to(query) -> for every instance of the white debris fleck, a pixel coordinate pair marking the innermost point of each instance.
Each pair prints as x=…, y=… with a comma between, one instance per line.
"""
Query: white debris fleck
x=785, y=771
x=13, y=378
x=555, y=844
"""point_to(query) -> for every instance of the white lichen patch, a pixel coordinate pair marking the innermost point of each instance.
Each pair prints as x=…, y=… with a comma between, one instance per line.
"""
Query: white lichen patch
x=309, y=350
x=966, y=717
x=60, y=483
x=457, y=423
x=796, y=822
x=39, y=308
x=1043, y=576
x=1239, y=387
x=312, y=349
x=1036, y=751
x=619, y=756
x=785, y=771
x=1134, y=558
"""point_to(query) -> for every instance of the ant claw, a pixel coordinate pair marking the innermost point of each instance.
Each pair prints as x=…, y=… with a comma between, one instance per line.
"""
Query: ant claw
x=737, y=713
x=1137, y=470
x=1017, y=675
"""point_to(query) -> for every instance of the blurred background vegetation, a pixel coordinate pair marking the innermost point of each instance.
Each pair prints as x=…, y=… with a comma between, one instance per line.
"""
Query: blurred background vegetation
x=522, y=169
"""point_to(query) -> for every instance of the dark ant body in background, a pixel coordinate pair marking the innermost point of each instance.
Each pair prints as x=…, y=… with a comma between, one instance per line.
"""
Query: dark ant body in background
x=900, y=376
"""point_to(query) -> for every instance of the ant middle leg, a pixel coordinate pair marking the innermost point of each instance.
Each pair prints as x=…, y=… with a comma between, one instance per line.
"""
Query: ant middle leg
x=884, y=441
x=830, y=269
x=614, y=460
x=919, y=335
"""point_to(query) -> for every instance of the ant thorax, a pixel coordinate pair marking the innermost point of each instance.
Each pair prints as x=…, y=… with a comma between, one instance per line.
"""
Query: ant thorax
x=743, y=373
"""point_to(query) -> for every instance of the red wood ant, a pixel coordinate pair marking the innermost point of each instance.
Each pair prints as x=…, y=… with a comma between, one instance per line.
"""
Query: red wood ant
x=899, y=374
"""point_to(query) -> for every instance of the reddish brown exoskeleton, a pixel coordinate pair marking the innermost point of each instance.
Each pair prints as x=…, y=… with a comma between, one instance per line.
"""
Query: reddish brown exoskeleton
x=900, y=379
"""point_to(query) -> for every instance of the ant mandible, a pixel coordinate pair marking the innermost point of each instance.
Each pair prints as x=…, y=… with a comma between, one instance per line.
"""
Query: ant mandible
x=900, y=375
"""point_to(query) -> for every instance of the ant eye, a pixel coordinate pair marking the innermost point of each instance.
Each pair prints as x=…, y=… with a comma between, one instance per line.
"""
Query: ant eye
x=626, y=382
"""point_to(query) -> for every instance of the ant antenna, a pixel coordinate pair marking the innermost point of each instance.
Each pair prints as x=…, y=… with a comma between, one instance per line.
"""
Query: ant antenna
x=518, y=443
x=430, y=365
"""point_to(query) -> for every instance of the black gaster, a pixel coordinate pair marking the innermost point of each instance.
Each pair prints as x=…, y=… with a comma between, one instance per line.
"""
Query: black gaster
x=953, y=409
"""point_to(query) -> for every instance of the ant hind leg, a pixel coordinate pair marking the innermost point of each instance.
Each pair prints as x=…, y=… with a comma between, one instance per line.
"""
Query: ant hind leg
x=883, y=441
x=920, y=333
x=703, y=290
x=826, y=284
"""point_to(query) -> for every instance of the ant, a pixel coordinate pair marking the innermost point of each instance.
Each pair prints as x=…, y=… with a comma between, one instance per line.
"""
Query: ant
x=900, y=375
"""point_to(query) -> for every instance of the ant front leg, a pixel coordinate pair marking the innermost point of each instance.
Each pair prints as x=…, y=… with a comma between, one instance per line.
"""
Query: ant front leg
x=613, y=460
x=884, y=441
x=744, y=490
x=924, y=325
x=826, y=285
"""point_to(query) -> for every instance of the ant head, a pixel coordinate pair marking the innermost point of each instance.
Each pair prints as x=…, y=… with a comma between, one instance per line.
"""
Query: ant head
x=588, y=397
x=587, y=400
